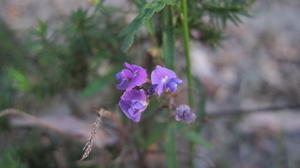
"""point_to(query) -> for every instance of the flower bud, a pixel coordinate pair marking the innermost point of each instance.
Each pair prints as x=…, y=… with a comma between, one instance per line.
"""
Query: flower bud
x=185, y=114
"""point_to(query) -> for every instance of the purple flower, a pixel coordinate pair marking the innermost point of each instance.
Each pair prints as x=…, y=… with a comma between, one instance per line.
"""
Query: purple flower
x=185, y=114
x=133, y=103
x=131, y=76
x=164, y=80
x=152, y=89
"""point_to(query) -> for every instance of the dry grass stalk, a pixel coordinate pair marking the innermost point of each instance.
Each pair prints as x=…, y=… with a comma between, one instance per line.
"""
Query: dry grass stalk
x=89, y=145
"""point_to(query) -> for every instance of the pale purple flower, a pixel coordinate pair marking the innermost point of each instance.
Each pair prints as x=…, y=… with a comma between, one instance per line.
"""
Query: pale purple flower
x=131, y=76
x=185, y=114
x=133, y=103
x=164, y=79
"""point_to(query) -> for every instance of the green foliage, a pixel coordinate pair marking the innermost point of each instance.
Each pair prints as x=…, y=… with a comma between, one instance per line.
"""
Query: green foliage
x=171, y=147
x=6, y=90
x=27, y=153
x=155, y=134
x=38, y=150
x=219, y=13
x=68, y=57
x=11, y=50
x=144, y=15
x=96, y=85
x=19, y=79
x=201, y=104
x=211, y=36
x=196, y=138
x=10, y=159
x=11, y=53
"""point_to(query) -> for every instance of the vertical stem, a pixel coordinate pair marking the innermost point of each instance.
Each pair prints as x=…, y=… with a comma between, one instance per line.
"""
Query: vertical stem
x=186, y=39
x=168, y=47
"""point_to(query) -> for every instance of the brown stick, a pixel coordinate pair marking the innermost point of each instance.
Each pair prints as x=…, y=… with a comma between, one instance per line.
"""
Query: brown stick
x=39, y=122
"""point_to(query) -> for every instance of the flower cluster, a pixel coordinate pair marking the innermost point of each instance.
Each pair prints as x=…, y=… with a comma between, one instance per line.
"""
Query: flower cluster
x=134, y=100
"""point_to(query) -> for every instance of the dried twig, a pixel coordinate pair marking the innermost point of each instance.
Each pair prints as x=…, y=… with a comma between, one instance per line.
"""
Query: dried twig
x=89, y=145
x=9, y=112
x=36, y=120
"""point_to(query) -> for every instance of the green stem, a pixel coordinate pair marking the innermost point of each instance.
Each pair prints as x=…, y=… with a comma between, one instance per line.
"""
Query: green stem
x=186, y=45
x=168, y=46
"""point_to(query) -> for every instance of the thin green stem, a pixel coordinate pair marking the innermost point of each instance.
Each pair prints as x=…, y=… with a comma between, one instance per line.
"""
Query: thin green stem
x=186, y=39
x=186, y=45
x=168, y=46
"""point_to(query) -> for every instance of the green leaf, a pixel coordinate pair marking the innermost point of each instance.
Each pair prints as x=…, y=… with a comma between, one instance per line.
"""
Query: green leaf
x=140, y=4
x=144, y=15
x=96, y=85
x=173, y=2
x=201, y=109
x=197, y=139
x=171, y=147
x=150, y=27
x=168, y=39
x=155, y=133
x=10, y=158
x=21, y=80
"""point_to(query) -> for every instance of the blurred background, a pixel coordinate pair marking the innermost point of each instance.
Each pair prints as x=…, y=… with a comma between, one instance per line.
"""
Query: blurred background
x=58, y=60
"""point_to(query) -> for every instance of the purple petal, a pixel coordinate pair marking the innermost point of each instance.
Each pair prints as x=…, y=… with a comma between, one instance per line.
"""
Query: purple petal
x=139, y=77
x=134, y=75
x=126, y=74
x=134, y=95
x=118, y=76
x=137, y=106
x=125, y=105
x=128, y=66
x=176, y=80
x=128, y=111
x=160, y=74
x=123, y=85
x=160, y=89
x=165, y=79
x=171, y=86
x=152, y=89
x=133, y=103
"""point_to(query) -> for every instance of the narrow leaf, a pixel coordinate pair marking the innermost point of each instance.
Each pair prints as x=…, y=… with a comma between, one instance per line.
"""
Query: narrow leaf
x=197, y=139
x=171, y=147
x=201, y=109
x=144, y=15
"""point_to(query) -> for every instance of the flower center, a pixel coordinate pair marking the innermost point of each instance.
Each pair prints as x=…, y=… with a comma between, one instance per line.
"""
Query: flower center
x=134, y=73
x=164, y=79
